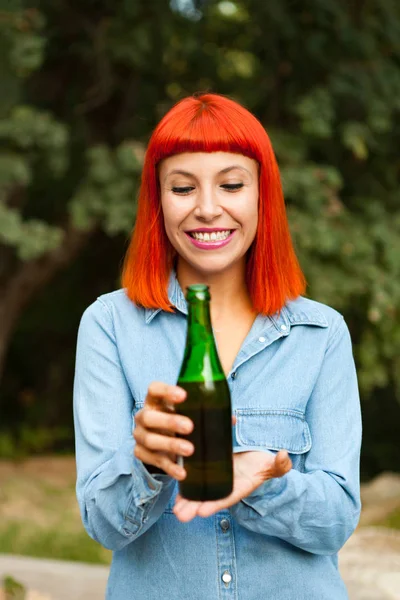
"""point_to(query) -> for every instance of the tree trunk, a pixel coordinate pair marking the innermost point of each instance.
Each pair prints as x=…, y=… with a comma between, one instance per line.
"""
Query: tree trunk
x=31, y=277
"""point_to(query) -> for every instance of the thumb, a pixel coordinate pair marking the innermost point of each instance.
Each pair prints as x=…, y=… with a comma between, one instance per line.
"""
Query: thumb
x=283, y=464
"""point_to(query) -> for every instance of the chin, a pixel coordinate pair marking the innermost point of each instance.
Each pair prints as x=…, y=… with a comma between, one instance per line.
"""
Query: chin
x=212, y=265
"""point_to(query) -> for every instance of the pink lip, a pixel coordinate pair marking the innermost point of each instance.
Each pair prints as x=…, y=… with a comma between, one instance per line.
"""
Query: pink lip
x=210, y=245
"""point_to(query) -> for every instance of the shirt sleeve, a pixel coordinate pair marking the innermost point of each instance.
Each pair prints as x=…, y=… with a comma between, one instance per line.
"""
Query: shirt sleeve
x=317, y=510
x=118, y=498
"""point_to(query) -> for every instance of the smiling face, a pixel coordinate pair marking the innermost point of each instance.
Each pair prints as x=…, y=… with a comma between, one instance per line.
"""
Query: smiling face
x=210, y=208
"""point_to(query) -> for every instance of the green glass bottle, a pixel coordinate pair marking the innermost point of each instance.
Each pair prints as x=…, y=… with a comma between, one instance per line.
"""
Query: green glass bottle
x=208, y=404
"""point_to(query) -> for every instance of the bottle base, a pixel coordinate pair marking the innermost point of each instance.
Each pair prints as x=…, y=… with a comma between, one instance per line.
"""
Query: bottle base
x=201, y=496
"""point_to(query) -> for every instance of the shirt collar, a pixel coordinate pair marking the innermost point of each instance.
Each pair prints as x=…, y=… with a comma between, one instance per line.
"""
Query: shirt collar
x=300, y=311
x=175, y=296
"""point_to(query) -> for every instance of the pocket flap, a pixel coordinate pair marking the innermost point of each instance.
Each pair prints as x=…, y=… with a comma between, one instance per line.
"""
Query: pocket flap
x=279, y=429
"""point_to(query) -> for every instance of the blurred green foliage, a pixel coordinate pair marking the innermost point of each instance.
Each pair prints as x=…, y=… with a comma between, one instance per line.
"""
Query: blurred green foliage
x=13, y=589
x=35, y=440
x=85, y=82
x=27, y=539
x=40, y=515
x=393, y=520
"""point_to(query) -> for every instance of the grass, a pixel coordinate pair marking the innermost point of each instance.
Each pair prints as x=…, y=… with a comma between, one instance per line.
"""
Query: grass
x=13, y=589
x=39, y=514
x=41, y=542
x=393, y=520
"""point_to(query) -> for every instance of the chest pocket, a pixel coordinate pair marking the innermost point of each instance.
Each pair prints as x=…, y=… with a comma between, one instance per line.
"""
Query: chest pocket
x=274, y=429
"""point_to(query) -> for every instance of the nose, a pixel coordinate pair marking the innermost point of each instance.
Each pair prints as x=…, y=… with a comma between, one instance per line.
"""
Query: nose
x=207, y=206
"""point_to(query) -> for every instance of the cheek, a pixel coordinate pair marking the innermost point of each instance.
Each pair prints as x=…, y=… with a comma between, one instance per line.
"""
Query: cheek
x=168, y=212
x=251, y=219
x=255, y=221
x=170, y=230
x=249, y=215
x=173, y=217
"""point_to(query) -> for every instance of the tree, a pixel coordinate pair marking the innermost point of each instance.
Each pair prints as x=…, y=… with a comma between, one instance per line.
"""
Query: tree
x=37, y=156
x=87, y=81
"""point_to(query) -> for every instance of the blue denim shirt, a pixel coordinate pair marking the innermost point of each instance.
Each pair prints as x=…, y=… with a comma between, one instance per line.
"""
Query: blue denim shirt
x=293, y=386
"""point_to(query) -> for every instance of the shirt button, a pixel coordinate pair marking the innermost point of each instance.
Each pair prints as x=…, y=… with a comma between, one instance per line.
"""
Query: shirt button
x=261, y=339
x=226, y=577
x=224, y=524
x=283, y=327
x=234, y=375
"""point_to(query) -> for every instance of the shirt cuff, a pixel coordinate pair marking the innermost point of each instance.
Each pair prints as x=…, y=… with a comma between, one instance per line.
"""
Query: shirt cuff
x=149, y=495
x=146, y=486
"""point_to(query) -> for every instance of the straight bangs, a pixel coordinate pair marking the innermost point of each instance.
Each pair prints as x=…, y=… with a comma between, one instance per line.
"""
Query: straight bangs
x=207, y=128
x=212, y=123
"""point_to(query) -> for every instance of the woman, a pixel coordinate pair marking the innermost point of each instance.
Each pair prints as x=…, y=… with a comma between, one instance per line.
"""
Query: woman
x=211, y=211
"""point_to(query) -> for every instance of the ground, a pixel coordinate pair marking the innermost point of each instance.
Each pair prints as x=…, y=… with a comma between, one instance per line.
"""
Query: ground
x=39, y=517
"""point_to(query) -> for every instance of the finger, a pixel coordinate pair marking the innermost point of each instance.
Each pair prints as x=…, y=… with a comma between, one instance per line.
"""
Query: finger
x=162, y=443
x=205, y=509
x=234, y=419
x=160, y=394
x=156, y=419
x=283, y=464
x=179, y=505
x=161, y=461
x=180, y=502
x=186, y=511
x=210, y=508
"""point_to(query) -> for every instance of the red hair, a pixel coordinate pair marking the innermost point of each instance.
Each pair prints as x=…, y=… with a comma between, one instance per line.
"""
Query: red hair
x=210, y=123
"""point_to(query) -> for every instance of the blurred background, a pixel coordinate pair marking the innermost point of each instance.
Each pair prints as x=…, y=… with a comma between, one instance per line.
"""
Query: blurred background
x=83, y=84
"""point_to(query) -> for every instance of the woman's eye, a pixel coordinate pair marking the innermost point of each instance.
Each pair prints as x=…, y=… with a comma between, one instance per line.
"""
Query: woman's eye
x=182, y=190
x=232, y=187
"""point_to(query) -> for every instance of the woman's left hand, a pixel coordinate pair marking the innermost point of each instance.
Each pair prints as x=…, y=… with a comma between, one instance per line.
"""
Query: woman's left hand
x=250, y=470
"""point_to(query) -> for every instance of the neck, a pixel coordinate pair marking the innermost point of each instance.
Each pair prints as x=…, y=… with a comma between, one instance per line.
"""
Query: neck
x=228, y=288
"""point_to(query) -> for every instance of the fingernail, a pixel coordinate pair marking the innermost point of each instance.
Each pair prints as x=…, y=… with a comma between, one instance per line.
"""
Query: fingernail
x=179, y=472
x=184, y=427
x=178, y=394
x=185, y=448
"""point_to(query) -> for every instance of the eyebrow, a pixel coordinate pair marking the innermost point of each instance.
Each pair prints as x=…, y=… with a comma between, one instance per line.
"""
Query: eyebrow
x=222, y=172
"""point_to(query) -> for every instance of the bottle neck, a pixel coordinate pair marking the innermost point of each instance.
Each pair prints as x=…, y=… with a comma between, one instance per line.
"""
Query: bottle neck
x=199, y=323
x=201, y=361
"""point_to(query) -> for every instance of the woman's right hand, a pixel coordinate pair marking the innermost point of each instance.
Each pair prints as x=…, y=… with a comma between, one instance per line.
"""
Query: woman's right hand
x=155, y=427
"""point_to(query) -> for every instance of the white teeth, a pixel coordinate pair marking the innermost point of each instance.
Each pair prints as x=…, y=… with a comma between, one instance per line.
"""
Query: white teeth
x=213, y=237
